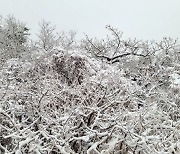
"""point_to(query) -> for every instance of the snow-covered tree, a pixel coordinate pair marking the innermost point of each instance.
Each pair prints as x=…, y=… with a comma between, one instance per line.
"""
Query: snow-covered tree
x=50, y=39
x=13, y=38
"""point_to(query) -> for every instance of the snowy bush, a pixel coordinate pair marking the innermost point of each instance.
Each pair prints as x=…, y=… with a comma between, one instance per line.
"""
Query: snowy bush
x=114, y=96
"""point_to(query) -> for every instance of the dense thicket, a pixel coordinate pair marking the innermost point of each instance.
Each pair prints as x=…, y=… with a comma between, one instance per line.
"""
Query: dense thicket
x=113, y=95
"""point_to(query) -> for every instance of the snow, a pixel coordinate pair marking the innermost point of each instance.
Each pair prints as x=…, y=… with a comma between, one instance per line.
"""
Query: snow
x=112, y=143
x=175, y=79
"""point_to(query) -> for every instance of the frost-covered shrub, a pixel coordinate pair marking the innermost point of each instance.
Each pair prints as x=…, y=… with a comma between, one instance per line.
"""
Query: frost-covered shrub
x=70, y=69
x=76, y=102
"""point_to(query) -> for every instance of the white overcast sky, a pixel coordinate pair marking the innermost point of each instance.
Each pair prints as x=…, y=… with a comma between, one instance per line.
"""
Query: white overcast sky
x=143, y=19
